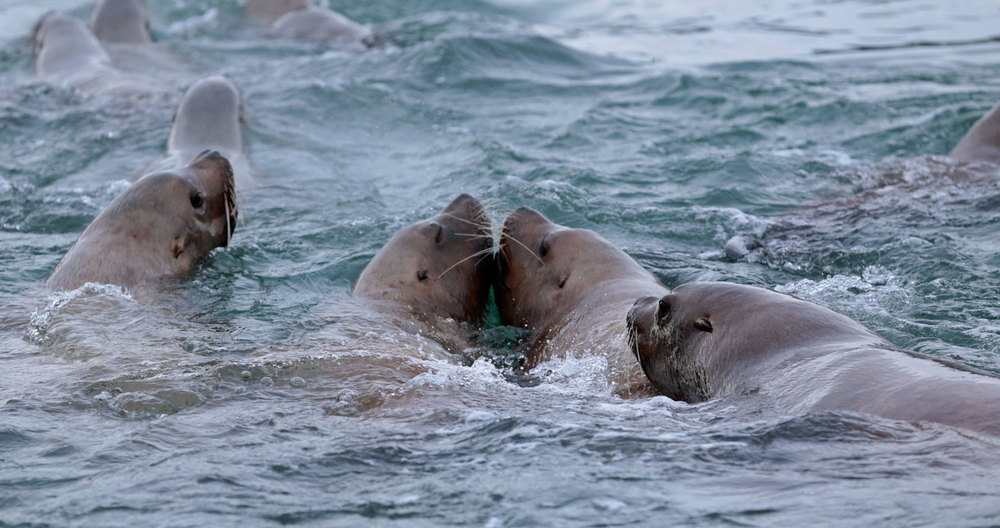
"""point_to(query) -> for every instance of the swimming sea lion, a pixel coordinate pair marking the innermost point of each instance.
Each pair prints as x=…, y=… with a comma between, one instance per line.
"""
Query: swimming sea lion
x=317, y=23
x=982, y=141
x=571, y=288
x=162, y=225
x=121, y=21
x=410, y=315
x=209, y=116
x=438, y=266
x=67, y=52
x=713, y=339
x=300, y=19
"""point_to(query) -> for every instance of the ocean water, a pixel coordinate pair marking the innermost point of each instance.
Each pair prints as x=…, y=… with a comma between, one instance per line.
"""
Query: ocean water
x=257, y=392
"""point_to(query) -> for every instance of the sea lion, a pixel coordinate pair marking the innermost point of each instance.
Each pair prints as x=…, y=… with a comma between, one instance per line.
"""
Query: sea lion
x=982, y=141
x=209, y=116
x=439, y=266
x=67, y=53
x=571, y=288
x=300, y=19
x=407, y=322
x=121, y=21
x=709, y=340
x=162, y=225
x=320, y=24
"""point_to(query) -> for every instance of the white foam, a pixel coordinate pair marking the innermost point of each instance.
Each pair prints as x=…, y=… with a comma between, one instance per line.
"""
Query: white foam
x=41, y=319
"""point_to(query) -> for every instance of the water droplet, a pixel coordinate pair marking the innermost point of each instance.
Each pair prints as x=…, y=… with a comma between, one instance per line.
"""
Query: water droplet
x=297, y=382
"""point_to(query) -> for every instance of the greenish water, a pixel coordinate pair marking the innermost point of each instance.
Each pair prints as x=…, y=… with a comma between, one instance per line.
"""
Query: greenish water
x=818, y=128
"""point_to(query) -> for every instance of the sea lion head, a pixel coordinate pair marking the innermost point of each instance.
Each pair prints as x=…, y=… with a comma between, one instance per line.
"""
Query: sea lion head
x=124, y=21
x=664, y=333
x=56, y=34
x=546, y=269
x=163, y=224
x=198, y=201
x=63, y=44
x=701, y=328
x=443, y=264
x=209, y=114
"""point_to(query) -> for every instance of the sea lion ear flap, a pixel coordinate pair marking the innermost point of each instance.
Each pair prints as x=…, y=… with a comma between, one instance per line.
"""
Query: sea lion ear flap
x=703, y=324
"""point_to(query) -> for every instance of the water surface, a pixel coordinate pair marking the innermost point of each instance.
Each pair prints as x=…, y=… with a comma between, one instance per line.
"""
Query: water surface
x=256, y=392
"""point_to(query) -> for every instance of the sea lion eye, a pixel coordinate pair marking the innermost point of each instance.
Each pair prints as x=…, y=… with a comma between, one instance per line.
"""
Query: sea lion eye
x=421, y=275
x=197, y=200
x=543, y=247
x=663, y=308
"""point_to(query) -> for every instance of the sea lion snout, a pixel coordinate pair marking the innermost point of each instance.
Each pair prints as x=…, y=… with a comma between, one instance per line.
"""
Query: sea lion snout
x=640, y=315
x=214, y=163
x=467, y=207
x=208, y=155
x=523, y=217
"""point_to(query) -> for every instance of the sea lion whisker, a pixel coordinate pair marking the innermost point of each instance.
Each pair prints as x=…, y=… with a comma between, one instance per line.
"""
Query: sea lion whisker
x=477, y=224
x=475, y=235
x=233, y=203
x=472, y=256
x=228, y=232
x=485, y=254
x=526, y=248
x=503, y=255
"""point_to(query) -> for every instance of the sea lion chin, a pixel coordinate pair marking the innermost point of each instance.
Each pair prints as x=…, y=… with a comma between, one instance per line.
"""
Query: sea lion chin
x=162, y=225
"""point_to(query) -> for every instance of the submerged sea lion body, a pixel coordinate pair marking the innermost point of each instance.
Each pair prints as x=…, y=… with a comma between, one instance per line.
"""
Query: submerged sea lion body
x=712, y=340
x=571, y=288
x=162, y=225
x=922, y=189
